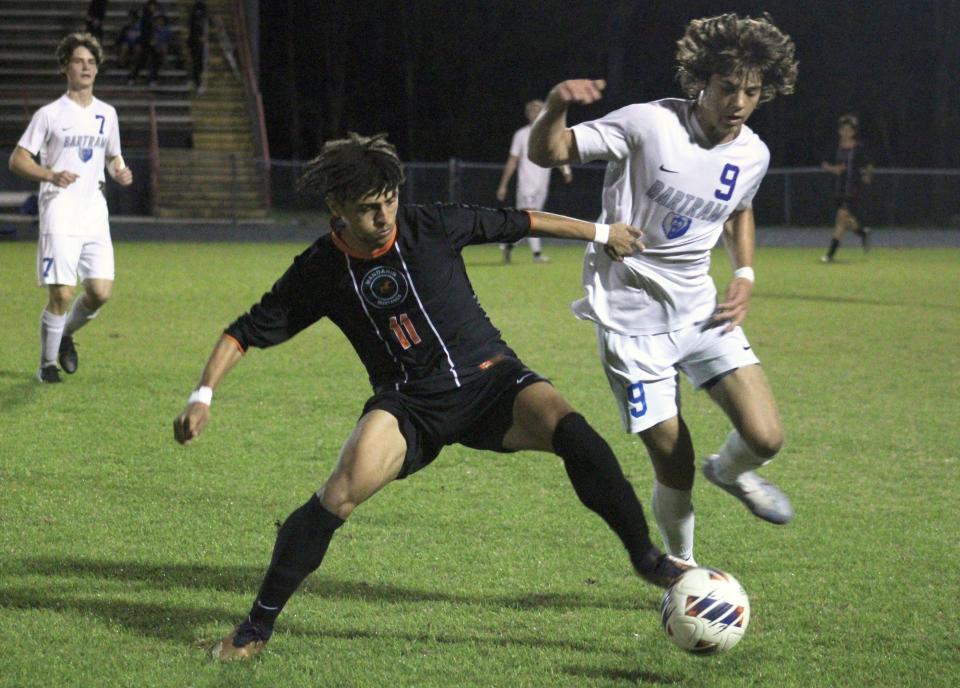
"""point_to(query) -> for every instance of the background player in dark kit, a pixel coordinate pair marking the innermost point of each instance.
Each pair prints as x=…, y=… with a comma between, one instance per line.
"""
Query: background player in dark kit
x=392, y=278
x=854, y=171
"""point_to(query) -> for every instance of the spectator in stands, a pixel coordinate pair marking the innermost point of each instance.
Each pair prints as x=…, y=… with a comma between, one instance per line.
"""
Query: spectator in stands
x=197, y=43
x=128, y=41
x=163, y=45
x=96, y=11
x=147, y=56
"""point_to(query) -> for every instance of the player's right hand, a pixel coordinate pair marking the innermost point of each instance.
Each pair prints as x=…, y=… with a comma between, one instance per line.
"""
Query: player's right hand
x=191, y=422
x=501, y=194
x=624, y=241
x=579, y=91
x=64, y=178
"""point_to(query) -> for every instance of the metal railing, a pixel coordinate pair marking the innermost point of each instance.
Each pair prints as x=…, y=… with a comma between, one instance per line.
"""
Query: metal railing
x=799, y=196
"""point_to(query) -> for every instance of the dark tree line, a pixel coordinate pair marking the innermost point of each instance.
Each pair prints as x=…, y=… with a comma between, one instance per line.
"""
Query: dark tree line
x=448, y=78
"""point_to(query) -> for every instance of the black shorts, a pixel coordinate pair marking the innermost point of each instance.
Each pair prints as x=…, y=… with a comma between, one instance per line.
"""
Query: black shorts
x=851, y=205
x=477, y=415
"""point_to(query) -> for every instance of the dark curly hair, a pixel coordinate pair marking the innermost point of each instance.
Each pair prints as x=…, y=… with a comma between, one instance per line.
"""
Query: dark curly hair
x=76, y=40
x=351, y=168
x=728, y=44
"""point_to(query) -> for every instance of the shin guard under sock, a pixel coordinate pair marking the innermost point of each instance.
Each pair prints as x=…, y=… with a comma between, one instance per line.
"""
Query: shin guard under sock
x=600, y=484
x=301, y=544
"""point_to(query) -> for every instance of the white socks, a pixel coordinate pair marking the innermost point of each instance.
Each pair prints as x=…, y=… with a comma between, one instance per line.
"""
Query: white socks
x=673, y=510
x=735, y=458
x=535, y=244
x=51, y=331
x=79, y=315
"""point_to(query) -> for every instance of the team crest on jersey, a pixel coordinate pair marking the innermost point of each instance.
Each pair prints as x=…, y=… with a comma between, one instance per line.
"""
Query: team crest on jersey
x=675, y=225
x=384, y=287
x=85, y=153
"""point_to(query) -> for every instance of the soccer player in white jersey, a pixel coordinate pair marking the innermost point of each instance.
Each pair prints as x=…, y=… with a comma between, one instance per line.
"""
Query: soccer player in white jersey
x=684, y=171
x=533, y=181
x=76, y=136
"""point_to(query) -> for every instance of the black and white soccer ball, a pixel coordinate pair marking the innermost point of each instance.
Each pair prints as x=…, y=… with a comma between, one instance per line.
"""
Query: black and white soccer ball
x=705, y=611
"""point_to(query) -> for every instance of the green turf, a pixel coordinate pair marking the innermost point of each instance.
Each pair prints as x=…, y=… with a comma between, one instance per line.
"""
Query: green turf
x=123, y=554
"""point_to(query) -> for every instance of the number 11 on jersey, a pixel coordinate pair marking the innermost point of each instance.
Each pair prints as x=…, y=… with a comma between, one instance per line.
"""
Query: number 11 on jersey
x=398, y=331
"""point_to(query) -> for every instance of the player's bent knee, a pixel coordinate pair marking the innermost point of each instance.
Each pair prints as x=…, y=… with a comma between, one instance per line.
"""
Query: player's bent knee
x=766, y=445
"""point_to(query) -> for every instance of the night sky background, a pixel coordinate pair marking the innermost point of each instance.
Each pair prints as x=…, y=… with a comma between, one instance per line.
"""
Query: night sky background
x=450, y=78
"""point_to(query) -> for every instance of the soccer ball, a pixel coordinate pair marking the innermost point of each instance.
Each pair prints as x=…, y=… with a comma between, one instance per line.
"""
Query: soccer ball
x=705, y=611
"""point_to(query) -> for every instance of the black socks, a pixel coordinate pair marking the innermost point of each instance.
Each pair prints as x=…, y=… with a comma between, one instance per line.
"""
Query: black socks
x=601, y=486
x=301, y=544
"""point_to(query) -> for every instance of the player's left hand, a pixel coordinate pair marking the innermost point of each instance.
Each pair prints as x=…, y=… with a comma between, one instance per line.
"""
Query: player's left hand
x=191, y=422
x=733, y=309
x=624, y=241
x=124, y=176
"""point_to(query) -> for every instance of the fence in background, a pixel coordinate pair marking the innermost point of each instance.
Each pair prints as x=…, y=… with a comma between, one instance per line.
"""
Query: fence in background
x=799, y=196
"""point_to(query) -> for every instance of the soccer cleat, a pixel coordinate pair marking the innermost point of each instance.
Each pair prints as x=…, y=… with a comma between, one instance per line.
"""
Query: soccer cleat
x=764, y=499
x=243, y=642
x=48, y=374
x=540, y=258
x=666, y=569
x=68, y=355
x=506, y=250
x=826, y=259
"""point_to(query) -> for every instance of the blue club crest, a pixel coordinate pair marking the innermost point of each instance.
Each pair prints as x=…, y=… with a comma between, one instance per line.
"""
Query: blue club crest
x=85, y=153
x=675, y=225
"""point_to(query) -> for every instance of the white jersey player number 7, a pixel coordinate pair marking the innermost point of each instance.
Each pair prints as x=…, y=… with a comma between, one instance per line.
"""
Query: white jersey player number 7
x=664, y=177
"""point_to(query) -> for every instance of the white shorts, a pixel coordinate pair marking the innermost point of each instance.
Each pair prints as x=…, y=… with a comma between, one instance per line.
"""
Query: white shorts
x=534, y=200
x=643, y=370
x=62, y=258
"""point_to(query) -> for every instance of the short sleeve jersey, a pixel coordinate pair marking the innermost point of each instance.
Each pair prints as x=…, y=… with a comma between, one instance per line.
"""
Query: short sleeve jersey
x=409, y=310
x=532, y=180
x=78, y=139
x=854, y=159
x=663, y=178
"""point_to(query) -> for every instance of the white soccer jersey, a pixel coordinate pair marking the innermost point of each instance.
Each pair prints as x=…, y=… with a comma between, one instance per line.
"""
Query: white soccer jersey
x=79, y=139
x=533, y=181
x=663, y=178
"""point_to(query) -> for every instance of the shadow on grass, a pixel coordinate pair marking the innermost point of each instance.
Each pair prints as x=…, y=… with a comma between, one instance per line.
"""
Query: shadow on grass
x=178, y=623
x=633, y=677
x=22, y=391
x=852, y=299
x=246, y=579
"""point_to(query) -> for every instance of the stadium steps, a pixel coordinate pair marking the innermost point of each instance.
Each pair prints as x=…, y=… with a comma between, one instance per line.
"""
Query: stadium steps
x=218, y=176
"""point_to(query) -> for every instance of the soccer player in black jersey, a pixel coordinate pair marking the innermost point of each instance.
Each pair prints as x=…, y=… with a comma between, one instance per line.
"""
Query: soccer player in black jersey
x=392, y=278
x=853, y=171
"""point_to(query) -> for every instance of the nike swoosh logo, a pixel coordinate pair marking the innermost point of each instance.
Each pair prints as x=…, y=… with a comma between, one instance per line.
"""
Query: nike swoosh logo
x=747, y=347
x=523, y=377
x=664, y=169
x=67, y=128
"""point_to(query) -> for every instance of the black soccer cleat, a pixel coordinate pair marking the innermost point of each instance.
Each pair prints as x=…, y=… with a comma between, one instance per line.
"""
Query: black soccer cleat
x=48, y=374
x=664, y=571
x=243, y=642
x=68, y=355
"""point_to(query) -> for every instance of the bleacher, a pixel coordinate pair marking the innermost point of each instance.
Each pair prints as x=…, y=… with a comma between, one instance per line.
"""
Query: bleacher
x=206, y=163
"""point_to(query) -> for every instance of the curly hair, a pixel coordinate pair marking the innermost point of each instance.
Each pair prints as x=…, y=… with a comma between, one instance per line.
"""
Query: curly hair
x=728, y=44
x=77, y=40
x=351, y=168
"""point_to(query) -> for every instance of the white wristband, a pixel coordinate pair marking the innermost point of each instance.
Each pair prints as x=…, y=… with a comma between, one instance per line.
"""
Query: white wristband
x=602, y=235
x=201, y=395
x=744, y=273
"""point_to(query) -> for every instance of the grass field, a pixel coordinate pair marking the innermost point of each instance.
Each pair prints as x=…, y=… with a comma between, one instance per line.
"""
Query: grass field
x=122, y=554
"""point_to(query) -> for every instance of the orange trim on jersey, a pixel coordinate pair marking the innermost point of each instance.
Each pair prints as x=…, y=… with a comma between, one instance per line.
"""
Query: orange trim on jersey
x=346, y=248
x=234, y=341
x=530, y=215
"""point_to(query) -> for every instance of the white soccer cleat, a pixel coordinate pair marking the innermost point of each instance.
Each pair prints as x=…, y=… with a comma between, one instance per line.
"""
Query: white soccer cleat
x=764, y=499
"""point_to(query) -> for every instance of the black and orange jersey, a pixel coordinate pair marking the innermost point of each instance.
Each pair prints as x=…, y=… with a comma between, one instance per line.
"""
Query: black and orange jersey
x=409, y=310
x=854, y=160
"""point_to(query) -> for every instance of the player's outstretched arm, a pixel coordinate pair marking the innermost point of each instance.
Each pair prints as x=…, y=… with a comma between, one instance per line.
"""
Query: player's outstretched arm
x=620, y=239
x=23, y=165
x=551, y=143
x=190, y=423
x=739, y=236
x=508, y=169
